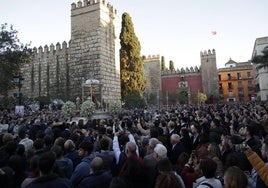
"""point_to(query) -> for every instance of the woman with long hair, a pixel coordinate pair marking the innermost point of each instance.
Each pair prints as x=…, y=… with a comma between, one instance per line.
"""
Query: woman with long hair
x=186, y=140
x=215, y=155
x=234, y=177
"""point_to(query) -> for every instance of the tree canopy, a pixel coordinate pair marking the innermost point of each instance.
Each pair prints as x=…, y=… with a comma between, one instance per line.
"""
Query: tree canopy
x=131, y=62
x=12, y=55
x=261, y=60
x=163, y=64
x=171, y=65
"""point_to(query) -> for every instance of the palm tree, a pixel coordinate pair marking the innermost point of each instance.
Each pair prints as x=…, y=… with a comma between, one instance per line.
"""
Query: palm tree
x=261, y=60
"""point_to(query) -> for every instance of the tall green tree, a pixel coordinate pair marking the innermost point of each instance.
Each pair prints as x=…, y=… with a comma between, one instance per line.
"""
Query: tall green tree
x=131, y=62
x=12, y=55
x=261, y=60
x=171, y=65
x=163, y=64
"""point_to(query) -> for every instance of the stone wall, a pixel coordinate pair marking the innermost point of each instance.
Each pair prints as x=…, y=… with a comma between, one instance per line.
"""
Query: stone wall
x=152, y=72
x=91, y=53
x=209, y=73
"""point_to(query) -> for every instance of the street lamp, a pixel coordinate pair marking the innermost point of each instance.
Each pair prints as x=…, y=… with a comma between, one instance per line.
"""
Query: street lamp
x=18, y=80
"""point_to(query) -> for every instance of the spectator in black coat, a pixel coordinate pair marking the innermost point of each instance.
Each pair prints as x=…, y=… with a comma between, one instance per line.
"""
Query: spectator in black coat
x=133, y=170
x=177, y=148
x=99, y=178
x=47, y=178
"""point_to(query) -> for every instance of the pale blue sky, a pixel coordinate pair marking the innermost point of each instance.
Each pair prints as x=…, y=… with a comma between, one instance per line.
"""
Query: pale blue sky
x=176, y=29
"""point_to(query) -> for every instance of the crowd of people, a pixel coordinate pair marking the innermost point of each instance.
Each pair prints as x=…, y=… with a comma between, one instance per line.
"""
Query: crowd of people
x=185, y=146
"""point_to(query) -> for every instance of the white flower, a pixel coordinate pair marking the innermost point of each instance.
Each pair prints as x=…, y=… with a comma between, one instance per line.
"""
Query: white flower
x=87, y=108
x=68, y=109
x=115, y=107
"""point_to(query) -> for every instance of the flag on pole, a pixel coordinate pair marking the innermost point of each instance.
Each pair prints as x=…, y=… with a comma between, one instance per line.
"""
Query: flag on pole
x=213, y=32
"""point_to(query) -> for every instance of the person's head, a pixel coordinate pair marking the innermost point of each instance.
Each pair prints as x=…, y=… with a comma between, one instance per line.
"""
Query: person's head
x=160, y=152
x=123, y=139
x=231, y=141
x=69, y=145
x=130, y=148
x=215, y=123
x=184, y=132
x=182, y=159
x=167, y=180
x=153, y=142
x=164, y=165
x=34, y=164
x=171, y=125
x=7, y=137
x=38, y=144
x=208, y=167
x=85, y=149
x=48, y=139
x=174, y=139
x=96, y=165
x=154, y=132
x=214, y=149
x=46, y=163
x=195, y=128
x=60, y=142
x=20, y=150
x=16, y=162
x=104, y=144
x=57, y=150
x=250, y=131
x=234, y=177
x=203, y=138
x=22, y=134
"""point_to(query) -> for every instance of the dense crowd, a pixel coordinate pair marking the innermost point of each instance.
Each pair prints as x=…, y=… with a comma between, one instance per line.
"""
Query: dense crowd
x=220, y=145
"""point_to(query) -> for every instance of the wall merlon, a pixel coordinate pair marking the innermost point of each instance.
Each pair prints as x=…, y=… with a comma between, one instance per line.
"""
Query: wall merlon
x=45, y=49
x=58, y=47
x=73, y=5
x=104, y=2
x=64, y=45
x=152, y=57
x=79, y=4
x=208, y=53
x=34, y=50
x=52, y=47
x=40, y=49
x=85, y=3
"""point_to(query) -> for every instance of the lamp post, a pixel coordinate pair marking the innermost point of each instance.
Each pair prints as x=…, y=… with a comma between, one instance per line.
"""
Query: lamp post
x=18, y=80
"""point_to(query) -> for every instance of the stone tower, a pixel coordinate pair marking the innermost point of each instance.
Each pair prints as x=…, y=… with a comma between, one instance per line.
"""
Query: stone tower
x=92, y=53
x=209, y=73
x=95, y=47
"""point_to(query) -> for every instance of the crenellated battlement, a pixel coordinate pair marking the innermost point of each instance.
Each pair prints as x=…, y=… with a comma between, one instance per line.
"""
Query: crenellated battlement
x=208, y=53
x=51, y=49
x=187, y=70
x=151, y=58
x=88, y=3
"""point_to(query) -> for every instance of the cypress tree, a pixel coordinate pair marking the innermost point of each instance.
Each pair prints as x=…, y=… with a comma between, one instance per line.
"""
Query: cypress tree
x=171, y=65
x=131, y=62
x=163, y=64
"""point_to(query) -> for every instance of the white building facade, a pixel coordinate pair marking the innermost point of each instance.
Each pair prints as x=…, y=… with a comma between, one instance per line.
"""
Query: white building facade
x=261, y=75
